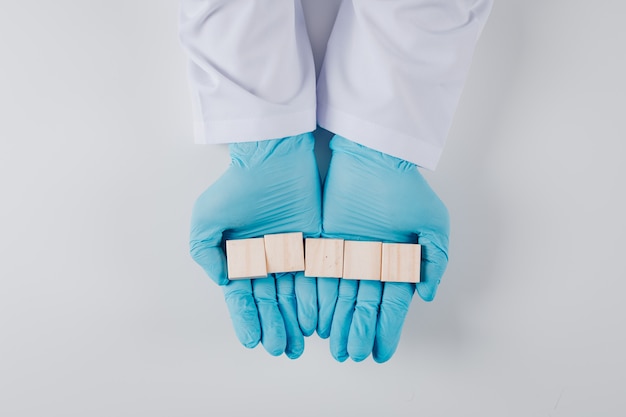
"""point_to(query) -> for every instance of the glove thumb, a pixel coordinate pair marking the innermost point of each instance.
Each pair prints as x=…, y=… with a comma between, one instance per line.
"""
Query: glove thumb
x=434, y=263
x=212, y=259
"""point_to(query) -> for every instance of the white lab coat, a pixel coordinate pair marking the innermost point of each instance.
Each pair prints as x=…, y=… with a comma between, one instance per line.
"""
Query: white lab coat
x=391, y=79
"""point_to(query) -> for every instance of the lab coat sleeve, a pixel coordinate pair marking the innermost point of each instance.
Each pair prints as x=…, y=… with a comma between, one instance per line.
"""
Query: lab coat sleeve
x=394, y=70
x=251, y=69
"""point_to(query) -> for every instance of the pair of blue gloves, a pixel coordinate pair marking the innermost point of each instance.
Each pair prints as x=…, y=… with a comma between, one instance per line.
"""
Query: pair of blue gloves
x=274, y=186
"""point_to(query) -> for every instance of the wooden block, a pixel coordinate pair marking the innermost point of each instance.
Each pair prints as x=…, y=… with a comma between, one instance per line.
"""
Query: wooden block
x=324, y=258
x=284, y=252
x=401, y=262
x=362, y=260
x=246, y=258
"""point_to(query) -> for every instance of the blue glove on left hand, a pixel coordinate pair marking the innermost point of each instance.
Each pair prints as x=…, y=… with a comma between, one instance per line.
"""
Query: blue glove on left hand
x=271, y=186
x=372, y=196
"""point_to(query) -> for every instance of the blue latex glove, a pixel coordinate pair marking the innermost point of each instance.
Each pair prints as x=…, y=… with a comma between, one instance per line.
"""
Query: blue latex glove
x=372, y=196
x=271, y=186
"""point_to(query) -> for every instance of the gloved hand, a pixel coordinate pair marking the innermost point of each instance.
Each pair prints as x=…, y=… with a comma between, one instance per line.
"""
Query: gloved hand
x=372, y=196
x=271, y=186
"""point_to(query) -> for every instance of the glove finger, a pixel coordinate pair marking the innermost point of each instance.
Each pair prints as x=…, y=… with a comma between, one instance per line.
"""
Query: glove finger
x=287, y=305
x=306, y=301
x=327, y=291
x=393, y=310
x=342, y=319
x=434, y=263
x=243, y=312
x=273, y=334
x=363, y=327
x=212, y=259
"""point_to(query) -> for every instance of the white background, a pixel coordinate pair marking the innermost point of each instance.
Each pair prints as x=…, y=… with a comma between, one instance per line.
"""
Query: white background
x=103, y=312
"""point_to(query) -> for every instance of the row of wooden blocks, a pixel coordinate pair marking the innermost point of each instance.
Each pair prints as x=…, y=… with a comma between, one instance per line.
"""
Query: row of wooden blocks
x=323, y=258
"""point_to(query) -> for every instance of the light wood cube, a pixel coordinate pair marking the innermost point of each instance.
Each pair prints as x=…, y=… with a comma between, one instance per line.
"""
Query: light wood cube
x=246, y=258
x=362, y=260
x=284, y=252
x=324, y=258
x=401, y=262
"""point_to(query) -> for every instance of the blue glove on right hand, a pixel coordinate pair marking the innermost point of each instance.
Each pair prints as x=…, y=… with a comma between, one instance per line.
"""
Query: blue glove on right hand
x=372, y=196
x=272, y=186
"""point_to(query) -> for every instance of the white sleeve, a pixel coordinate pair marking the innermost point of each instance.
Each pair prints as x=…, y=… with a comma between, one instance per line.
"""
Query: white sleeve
x=251, y=69
x=394, y=70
